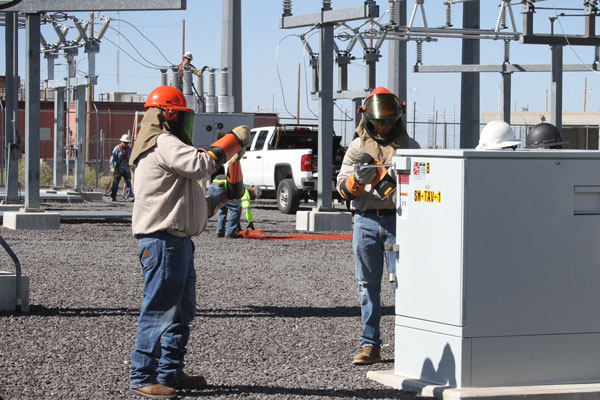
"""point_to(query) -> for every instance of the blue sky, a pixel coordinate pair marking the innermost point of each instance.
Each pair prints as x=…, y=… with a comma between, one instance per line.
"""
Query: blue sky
x=269, y=53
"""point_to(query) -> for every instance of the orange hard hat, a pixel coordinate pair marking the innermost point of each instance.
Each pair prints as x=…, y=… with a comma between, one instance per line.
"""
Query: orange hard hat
x=169, y=99
x=381, y=105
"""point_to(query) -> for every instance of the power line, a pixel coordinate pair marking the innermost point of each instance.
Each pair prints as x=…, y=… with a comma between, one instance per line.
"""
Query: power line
x=133, y=58
x=136, y=50
x=145, y=37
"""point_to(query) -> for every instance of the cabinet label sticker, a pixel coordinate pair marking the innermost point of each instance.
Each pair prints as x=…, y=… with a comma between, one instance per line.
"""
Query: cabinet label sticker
x=421, y=169
x=428, y=196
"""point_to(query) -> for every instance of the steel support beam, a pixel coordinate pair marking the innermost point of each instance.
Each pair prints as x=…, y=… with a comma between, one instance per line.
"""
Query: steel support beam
x=557, y=80
x=506, y=96
x=369, y=10
x=79, y=173
x=503, y=68
x=11, y=122
x=324, y=186
x=231, y=50
x=33, y=6
x=32, y=112
x=58, y=166
x=470, y=96
x=563, y=40
x=397, y=59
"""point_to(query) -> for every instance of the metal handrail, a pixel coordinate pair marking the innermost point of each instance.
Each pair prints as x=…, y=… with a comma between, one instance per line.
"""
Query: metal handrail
x=18, y=271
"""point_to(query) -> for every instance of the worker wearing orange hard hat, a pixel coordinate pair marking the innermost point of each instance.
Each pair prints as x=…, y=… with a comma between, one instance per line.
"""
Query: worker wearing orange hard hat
x=170, y=208
x=368, y=182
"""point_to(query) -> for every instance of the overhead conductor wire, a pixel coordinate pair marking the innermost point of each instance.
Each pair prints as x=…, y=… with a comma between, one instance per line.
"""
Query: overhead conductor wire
x=145, y=37
x=279, y=75
x=568, y=43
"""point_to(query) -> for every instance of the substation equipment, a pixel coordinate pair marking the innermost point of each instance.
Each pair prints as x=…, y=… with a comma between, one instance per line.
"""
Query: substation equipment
x=498, y=267
x=32, y=216
x=372, y=32
x=214, y=106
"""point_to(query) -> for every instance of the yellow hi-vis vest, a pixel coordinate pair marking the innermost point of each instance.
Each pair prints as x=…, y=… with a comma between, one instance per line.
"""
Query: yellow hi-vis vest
x=244, y=201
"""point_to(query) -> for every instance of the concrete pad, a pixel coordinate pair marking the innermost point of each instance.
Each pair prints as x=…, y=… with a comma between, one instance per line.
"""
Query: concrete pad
x=92, y=196
x=10, y=207
x=37, y=220
x=8, y=292
x=588, y=391
x=323, y=221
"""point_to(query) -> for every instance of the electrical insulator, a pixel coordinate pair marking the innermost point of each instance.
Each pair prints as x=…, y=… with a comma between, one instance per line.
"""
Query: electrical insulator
x=448, y=14
x=326, y=4
x=103, y=29
x=503, y=18
x=392, y=12
x=287, y=7
x=506, y=50
x=419, y=52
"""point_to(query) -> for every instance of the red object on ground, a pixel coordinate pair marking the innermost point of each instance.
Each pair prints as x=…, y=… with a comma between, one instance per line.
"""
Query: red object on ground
x=260, y=234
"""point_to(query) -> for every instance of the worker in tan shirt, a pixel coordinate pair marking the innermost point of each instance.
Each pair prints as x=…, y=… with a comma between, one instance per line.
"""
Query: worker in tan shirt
x=170, y=207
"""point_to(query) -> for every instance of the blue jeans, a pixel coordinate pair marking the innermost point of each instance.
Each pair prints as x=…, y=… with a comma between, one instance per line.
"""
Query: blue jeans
x=371, y=235
x=168, y=307
x=115, y=185
x=228, y=227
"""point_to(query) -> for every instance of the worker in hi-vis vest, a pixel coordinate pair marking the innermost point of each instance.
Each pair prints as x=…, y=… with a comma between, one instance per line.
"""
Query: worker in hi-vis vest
x=229, y=227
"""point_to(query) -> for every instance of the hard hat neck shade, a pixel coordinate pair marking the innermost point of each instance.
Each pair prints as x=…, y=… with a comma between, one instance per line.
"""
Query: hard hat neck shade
x=394, y=131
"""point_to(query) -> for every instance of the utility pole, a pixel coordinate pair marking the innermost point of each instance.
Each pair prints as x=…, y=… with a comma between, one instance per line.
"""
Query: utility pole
x=90, y=99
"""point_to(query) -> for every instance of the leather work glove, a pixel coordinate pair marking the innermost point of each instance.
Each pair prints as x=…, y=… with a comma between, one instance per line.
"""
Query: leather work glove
x=112, y=170
x=250, y=226
x=364, y=176
x=358, y=156
x=242, y=133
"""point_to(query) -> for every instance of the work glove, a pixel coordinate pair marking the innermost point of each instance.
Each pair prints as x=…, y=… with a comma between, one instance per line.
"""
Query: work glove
x=363, y=175
x=250, y=226
x=359, y=157
x=242, y=133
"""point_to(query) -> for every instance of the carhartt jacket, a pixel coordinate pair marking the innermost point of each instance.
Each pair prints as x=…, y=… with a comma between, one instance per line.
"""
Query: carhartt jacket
x=370, y=199
x=168, y=196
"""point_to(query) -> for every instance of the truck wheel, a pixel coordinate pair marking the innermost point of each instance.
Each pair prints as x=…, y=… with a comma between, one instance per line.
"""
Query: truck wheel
x=288, y=197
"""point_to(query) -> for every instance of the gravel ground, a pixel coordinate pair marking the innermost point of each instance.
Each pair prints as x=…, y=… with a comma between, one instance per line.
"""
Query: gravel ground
x=274, y=320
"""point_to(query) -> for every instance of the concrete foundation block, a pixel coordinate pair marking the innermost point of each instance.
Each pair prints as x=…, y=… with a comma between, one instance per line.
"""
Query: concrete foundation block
x=8, y=292
x=92, y=196
x=31, y=220
x=587, y=391
x=323, y=221
x=10, y=207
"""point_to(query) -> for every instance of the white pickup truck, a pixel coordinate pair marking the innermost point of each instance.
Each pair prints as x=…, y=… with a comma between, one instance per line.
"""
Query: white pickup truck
x=282, y=161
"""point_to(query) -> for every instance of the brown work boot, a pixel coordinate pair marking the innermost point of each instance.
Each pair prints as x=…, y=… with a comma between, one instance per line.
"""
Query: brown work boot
x=155, y=391
x=368, y=355
x=187, y=382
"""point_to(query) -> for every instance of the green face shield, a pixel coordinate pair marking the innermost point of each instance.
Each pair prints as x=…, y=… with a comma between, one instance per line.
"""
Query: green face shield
x=183, y=127
x=187, y=125
x=382, y=109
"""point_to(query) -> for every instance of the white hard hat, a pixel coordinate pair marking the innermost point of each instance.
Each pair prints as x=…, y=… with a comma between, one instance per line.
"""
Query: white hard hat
x=497, y=135
x=188, y=54
x=125, y=138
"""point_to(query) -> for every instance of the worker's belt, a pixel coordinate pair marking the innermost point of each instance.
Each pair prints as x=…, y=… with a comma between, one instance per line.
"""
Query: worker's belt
x=384, y=212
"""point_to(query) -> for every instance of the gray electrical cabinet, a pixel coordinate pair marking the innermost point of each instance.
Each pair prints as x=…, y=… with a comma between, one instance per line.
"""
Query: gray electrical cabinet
x=209, y=127
x=498, y=267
